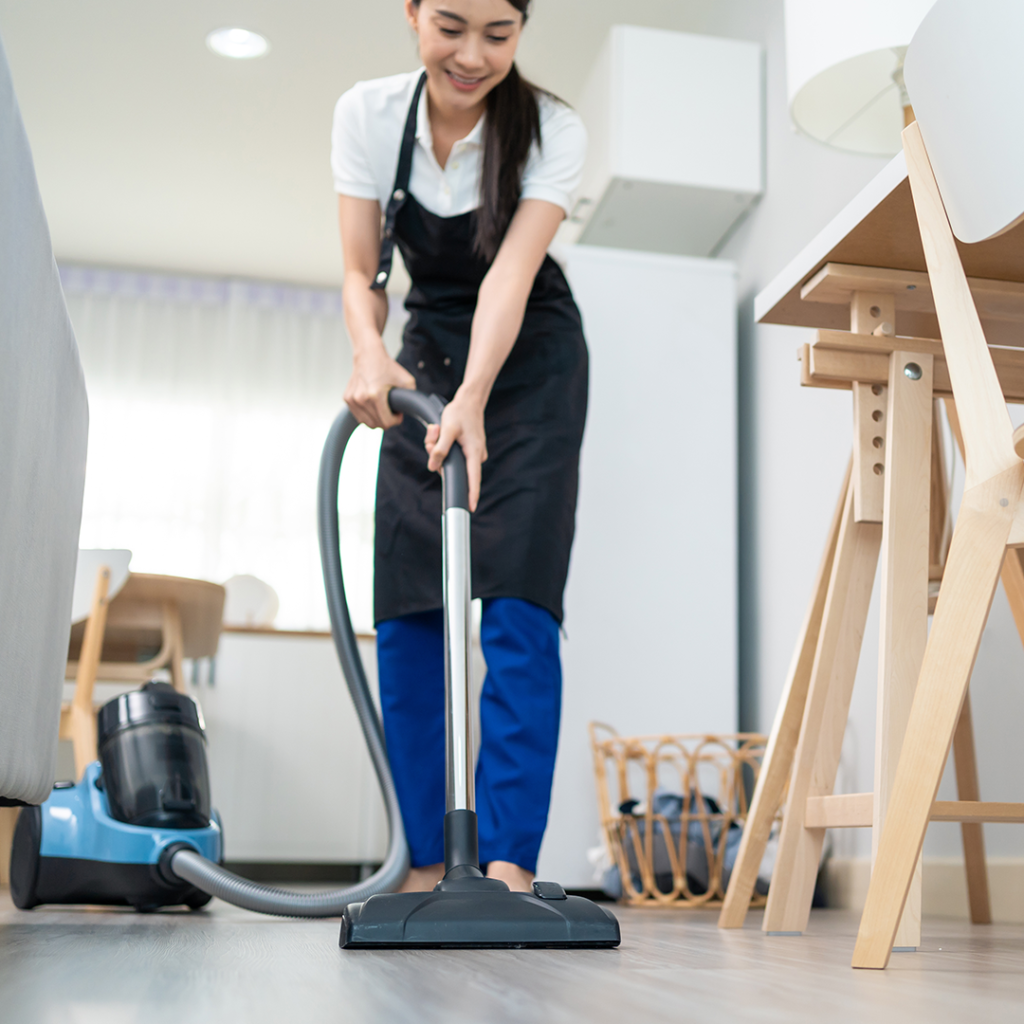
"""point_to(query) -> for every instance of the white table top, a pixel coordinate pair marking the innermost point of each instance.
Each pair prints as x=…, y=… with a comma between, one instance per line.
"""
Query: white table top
x=878, y=228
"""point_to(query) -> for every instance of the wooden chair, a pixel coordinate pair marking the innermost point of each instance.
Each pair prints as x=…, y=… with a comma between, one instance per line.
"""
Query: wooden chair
x=965, y=76
x=147, y=624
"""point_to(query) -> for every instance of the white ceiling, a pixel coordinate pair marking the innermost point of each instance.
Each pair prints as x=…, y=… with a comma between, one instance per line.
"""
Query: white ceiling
x=151, y=151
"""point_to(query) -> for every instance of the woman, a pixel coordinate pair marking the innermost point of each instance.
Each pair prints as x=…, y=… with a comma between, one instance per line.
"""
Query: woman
x=474, y=170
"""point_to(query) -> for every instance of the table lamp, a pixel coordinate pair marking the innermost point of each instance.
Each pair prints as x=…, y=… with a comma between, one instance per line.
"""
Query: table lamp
x=844, y=65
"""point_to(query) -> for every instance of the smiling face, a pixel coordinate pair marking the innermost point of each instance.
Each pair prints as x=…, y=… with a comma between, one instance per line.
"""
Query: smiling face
x=467, y=46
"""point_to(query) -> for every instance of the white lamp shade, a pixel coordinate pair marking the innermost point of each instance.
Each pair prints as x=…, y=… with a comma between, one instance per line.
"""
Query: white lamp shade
x=966, y=79
x=840, y=60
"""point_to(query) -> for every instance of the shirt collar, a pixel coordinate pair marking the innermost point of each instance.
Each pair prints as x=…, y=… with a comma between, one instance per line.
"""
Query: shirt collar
x=426, y=137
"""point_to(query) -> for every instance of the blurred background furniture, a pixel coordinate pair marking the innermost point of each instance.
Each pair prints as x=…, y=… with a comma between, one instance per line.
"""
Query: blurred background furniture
x=44, y=422
x=250, y=603
x=136, y=625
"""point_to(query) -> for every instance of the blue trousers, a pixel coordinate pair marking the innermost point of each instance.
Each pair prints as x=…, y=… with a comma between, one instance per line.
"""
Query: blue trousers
x=520, y=707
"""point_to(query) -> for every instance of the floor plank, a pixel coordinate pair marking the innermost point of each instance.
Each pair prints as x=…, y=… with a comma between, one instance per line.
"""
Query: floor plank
x=83, y=966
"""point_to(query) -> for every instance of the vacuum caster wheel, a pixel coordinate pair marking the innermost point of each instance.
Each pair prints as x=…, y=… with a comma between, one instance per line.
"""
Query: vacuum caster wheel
x=25, y=858
x=197, y=900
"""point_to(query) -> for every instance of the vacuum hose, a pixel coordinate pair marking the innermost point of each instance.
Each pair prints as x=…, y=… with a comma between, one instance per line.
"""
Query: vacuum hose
x=186, y=863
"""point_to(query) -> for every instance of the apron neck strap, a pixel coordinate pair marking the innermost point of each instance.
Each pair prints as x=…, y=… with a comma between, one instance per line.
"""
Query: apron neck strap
x=400, y=191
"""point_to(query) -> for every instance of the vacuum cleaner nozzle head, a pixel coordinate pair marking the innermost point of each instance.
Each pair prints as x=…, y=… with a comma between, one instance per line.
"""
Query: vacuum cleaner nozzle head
x=478, y=913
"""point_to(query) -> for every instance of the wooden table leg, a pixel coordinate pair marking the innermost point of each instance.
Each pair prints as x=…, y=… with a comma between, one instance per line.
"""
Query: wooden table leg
x=1013, y=583
x=964, y=759
x=824, y=722
x=904, y=587
x=973, y=838
x=81, y=727
x=782, y=741
x=968, y=584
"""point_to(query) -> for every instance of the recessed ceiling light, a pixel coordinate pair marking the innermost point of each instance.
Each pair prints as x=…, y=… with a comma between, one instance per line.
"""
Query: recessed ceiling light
x=239, y=43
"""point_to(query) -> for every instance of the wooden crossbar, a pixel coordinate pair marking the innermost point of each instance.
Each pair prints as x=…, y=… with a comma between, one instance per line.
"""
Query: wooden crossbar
x=835, y=283
x=854, y=810
x=838, y=358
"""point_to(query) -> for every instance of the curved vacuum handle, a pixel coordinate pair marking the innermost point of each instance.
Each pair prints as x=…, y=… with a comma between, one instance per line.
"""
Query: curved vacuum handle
x=427, y=409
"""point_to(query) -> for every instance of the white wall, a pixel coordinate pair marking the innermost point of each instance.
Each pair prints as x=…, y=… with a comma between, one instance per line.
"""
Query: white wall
x=793, y=447
x=651, y=600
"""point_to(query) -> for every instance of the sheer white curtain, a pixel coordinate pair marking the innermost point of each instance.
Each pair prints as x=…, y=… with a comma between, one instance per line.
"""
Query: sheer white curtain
x=210, y=401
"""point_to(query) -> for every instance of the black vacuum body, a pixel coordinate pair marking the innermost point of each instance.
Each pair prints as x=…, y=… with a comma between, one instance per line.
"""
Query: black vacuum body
x=152, y=745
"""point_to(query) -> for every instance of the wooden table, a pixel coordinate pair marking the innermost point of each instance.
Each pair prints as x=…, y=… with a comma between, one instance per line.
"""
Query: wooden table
x=862, y=283
x=151, y=623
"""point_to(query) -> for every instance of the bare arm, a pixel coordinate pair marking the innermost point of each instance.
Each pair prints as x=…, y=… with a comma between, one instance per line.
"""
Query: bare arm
x=500, y=307
x=374, y=372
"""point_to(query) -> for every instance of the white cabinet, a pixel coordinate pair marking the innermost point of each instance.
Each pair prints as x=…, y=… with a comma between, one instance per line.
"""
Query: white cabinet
x=676, y=141
x=288, y=764
x=651, y=603
x=288, y=767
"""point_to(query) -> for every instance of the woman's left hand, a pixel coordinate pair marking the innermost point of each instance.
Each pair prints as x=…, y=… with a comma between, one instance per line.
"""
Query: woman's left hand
x=462, y=421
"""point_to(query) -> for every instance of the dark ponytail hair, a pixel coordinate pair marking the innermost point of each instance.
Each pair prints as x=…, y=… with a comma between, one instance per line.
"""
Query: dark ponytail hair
x=512, y=126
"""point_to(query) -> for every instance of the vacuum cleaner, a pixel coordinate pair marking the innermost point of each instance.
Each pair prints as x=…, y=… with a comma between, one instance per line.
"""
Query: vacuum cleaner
x=139, y=829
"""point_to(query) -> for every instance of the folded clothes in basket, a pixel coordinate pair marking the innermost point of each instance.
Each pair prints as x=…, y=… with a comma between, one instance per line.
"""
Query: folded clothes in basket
x=702, y=833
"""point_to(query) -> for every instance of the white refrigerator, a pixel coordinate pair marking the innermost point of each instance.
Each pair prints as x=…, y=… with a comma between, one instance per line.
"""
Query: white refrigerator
x=650, y=642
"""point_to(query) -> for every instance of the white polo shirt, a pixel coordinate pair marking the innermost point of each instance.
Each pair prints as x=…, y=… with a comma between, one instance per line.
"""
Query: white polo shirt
x=369, y=121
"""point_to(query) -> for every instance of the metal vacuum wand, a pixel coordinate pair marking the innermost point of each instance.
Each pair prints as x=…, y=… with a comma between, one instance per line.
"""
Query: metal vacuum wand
x=461, y=849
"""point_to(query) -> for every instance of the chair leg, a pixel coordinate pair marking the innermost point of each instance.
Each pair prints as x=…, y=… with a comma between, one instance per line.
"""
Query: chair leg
x=969, y=581
x=174, y=642
x=968, y=789
x=782, y=741
x=81, y=725
x=824, y=722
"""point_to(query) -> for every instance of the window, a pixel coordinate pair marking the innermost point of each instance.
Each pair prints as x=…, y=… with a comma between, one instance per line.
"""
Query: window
x=209, y=404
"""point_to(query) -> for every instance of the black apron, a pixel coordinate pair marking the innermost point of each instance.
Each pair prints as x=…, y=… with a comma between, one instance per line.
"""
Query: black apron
x=523, y=527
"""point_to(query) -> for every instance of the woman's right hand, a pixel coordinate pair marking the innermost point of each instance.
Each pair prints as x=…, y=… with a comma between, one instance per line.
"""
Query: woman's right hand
x=374, y=374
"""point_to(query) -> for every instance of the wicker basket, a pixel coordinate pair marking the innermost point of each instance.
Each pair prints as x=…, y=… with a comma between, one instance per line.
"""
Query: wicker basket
x=671, y=847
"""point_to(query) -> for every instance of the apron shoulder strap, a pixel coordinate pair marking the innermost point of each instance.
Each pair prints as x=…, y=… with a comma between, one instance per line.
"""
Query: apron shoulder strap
x=400, y=191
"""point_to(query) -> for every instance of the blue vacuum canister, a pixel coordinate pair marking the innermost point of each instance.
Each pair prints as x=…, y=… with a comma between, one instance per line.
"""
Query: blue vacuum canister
x=109, y=838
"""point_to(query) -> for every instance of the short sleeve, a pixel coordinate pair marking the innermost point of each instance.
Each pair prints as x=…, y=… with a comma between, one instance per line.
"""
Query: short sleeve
x=350, y=162
x=554, y=169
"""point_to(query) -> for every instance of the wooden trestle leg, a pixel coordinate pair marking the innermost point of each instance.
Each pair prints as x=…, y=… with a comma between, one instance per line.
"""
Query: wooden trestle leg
x=824, y=721
x=782, y=741
x=904, y=586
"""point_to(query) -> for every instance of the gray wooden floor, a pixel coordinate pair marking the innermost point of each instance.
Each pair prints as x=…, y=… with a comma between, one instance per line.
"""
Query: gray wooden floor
x=82, y=966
